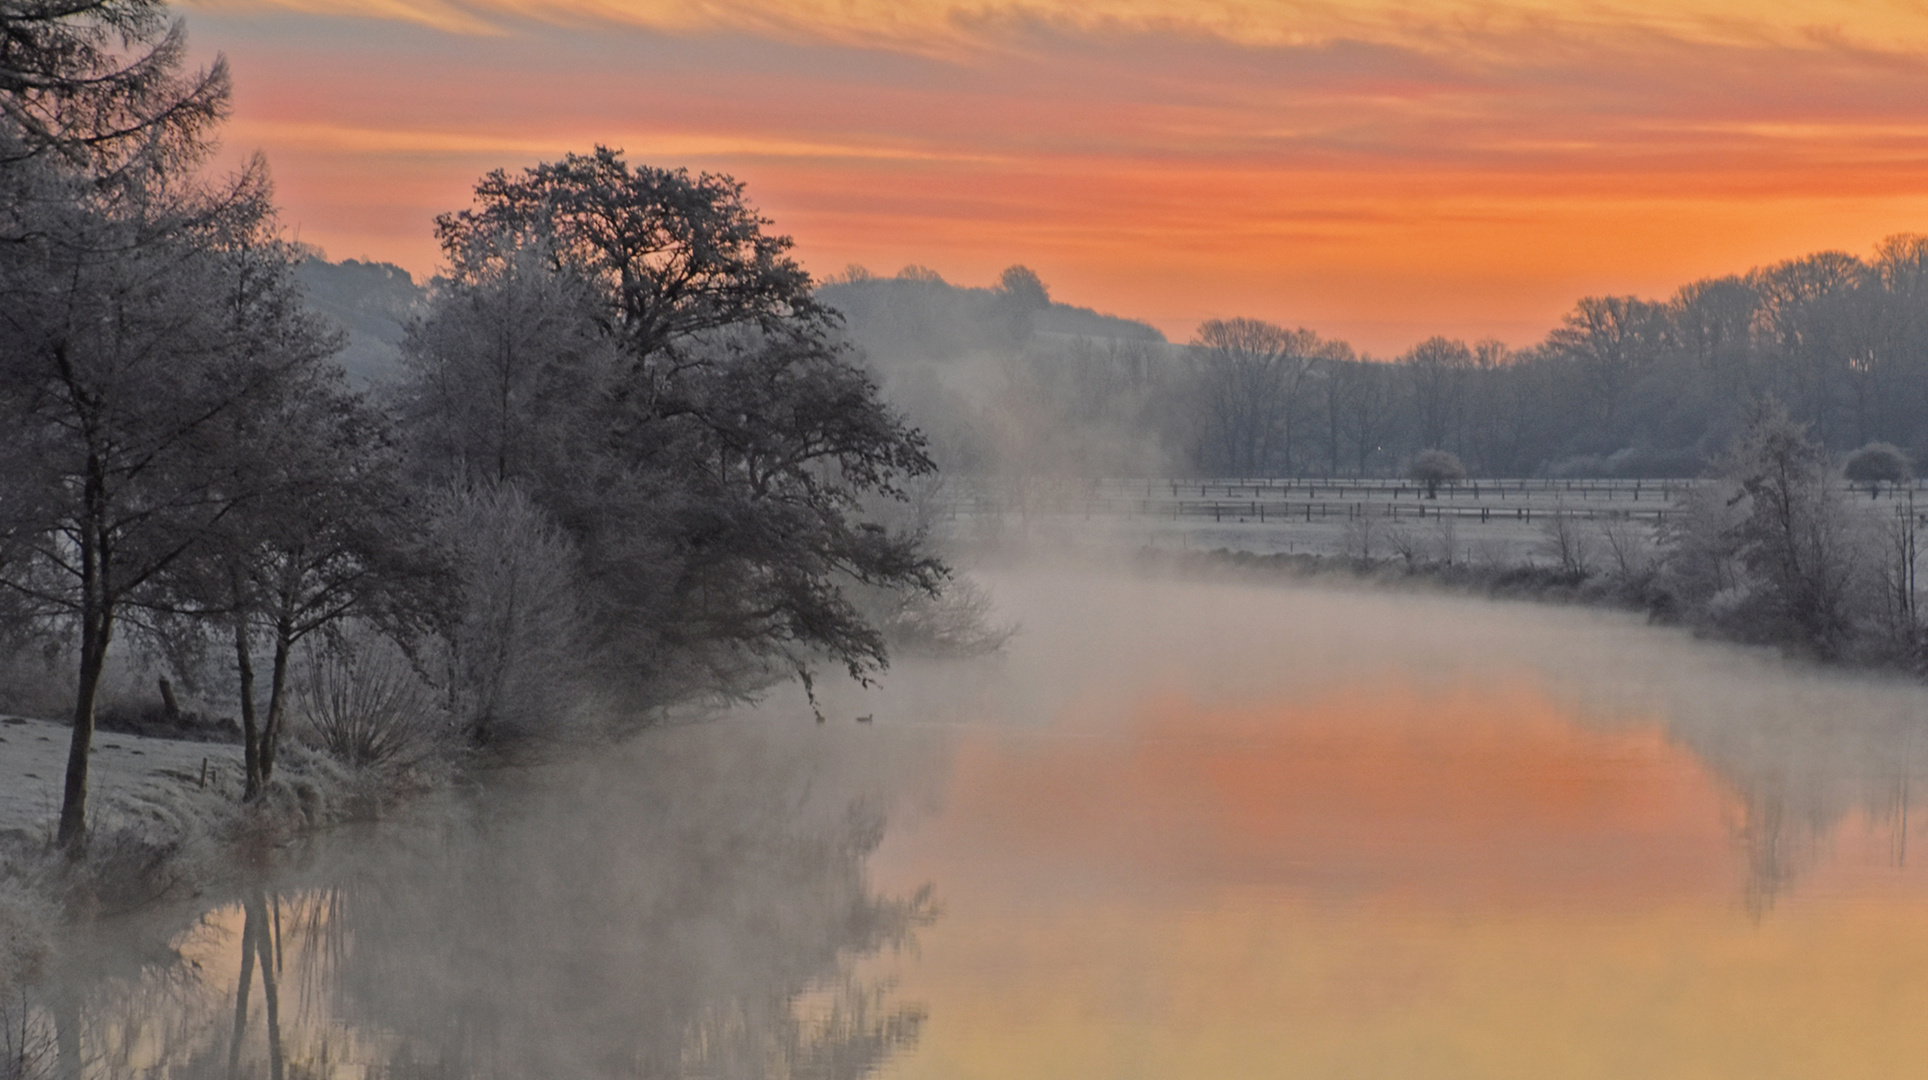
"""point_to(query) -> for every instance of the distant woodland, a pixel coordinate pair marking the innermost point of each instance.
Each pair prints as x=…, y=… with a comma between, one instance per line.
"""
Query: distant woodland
x=1004, y=379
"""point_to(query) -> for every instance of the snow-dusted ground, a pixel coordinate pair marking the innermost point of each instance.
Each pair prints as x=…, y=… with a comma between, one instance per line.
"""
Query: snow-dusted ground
x=33, y=766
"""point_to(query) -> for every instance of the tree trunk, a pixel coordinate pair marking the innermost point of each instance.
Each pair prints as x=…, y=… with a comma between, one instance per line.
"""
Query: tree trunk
x=250, y=735
x=169, y=704
x=96, y=630
x=277, y=697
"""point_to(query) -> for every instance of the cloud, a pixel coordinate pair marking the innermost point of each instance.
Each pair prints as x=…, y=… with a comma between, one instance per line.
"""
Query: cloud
x=948, y=26
x=1485, y=163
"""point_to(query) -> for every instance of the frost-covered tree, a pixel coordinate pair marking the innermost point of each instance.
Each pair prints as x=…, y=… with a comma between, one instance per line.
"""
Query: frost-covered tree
x=691, y=421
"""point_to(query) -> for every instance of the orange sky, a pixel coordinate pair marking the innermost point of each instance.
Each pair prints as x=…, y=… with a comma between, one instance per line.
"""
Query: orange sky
x=1375, y=170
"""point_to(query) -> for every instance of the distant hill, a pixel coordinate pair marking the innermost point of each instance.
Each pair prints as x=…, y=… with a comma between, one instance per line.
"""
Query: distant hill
x=917, y=316
x=1004, y=377
x=371, y=301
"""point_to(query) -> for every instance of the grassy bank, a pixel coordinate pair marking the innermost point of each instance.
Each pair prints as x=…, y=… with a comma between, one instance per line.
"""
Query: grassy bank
x=1646, y=591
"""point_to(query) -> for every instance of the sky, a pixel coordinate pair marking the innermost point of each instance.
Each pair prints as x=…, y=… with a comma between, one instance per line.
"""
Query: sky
x=1376, y=171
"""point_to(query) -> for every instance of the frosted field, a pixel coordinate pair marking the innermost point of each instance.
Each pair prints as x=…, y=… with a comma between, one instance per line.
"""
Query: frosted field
x=126, y=769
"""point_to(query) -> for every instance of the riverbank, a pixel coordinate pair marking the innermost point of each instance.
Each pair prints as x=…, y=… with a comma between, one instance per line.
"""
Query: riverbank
x=1642, y=592
x=1499, y=581
x=165, y=823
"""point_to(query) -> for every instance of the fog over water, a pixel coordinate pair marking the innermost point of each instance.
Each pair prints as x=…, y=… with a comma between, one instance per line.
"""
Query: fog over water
x=1180, y=828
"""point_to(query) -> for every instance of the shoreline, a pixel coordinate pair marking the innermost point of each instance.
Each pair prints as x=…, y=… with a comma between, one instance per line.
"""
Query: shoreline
x=1523, y=582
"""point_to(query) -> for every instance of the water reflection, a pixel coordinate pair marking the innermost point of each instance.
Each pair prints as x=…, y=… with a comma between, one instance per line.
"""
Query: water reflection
x=1820, y=766
x=262, y=940
x=690, y=906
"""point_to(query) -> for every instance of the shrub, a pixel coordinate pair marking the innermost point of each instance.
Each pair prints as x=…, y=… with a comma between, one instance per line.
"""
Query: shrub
x=363, y=703
x=1435, y=467
x=1878, y=463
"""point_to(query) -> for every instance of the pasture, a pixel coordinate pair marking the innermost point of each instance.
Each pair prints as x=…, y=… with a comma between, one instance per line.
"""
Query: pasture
x=1494, y=521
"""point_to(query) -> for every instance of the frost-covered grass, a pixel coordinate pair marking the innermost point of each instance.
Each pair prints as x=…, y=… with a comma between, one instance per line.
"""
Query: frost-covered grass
x=165, y=821
x=123, y=768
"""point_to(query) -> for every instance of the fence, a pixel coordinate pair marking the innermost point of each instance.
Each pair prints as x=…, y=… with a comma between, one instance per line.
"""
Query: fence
x=1281, y=501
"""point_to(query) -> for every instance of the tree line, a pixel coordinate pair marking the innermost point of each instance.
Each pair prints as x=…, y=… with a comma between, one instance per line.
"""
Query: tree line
x=630, y=460
x=1624, y=386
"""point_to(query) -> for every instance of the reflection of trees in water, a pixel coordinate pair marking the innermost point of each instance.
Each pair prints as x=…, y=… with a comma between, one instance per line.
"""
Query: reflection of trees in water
x=109, y=1003
x=697, y=910
x=523, y=949
x=1800, y=770
x=1776, y=850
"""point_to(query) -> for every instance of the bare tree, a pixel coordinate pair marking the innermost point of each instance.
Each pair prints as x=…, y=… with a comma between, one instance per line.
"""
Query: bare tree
x=1436, y=372
x=1563, y=537
x=1610, y=340
x=1253, y=378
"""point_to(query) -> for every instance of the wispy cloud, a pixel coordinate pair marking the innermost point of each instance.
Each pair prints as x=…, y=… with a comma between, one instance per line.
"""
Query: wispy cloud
x=1483, y=162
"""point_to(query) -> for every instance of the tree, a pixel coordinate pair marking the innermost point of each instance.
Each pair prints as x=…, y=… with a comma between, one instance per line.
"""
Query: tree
x=1807, y=312
x=1610, y=340
x=98, y=124
x=323, y=536
x=1436, y=369
x=1020, y=297
x=98, y=86
x=506, y=367
x=1435, y=467
x=721, y=448
x=1792, y=536
x=1252, y=376
x=1366, y=408
x=1876, y=464
x=673, y=255
x=515, y=646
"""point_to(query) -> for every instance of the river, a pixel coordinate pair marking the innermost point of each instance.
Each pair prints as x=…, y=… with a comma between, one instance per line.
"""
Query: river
x=1179, y=829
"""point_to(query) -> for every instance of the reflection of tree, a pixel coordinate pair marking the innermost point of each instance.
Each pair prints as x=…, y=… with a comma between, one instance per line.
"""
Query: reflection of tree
x=1777, y=850
x=691, y=906
x=1803, y=764
x=655, y=928
x=259, y=940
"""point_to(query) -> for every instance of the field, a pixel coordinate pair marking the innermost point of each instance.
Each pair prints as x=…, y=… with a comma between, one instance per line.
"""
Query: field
x=126, y=769
x=1503, y=522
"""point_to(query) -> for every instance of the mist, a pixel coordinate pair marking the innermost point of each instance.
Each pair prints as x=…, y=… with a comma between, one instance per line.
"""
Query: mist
x=762, y=895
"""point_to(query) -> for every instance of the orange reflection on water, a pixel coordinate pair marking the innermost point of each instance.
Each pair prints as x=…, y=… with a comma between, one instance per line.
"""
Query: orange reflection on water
x=1394, y=881
x=1480, y=793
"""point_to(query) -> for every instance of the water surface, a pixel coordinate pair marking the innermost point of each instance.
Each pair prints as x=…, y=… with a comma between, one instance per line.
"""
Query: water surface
x=1180, y=829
